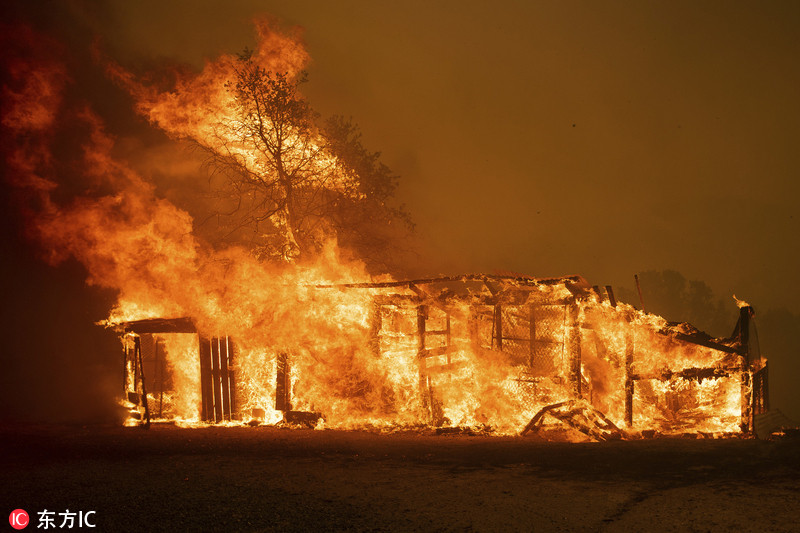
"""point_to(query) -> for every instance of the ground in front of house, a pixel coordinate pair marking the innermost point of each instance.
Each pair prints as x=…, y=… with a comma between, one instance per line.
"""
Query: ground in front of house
x=272, y=479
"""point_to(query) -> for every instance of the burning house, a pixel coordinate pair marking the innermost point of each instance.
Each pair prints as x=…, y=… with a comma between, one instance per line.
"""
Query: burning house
x=513, y=354
x=268, y=318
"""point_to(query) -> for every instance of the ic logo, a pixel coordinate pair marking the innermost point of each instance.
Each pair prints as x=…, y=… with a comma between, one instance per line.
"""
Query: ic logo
x=18, y=519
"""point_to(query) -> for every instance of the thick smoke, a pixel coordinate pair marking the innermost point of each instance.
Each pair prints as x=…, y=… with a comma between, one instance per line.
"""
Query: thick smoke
x=90, y=213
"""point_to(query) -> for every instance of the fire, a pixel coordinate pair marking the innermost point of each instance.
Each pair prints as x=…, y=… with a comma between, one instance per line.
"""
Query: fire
x=455, y=352
x=215, y=334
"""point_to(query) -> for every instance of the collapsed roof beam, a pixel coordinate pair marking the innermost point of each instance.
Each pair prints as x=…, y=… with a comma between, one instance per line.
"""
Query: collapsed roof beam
x=518, y=280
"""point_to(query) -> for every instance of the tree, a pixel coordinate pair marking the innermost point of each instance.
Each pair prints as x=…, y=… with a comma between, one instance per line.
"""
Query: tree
x=669, y=294
x=291, y=183
x=364, y=219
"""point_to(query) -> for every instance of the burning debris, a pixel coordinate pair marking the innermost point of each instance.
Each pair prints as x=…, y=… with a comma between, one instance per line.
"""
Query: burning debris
x=468, y=351
x=278, y=324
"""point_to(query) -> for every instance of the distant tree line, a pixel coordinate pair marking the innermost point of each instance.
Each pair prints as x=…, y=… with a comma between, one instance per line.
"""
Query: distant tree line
x=669, y=294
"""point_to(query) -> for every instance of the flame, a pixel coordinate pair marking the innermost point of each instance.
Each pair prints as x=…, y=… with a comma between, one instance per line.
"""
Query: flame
x=371, y=355
x=740, y=303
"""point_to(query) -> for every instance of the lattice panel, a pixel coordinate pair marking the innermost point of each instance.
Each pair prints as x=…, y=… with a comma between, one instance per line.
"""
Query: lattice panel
x=761, y=391
x=515, y=328
x=550, y=322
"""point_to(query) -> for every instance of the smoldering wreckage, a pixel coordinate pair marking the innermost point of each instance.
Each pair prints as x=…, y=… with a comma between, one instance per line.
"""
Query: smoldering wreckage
x=478, y=353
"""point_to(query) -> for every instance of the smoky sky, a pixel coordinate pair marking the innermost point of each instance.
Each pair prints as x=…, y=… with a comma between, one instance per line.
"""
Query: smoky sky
x=550, y=138
x=545, y=138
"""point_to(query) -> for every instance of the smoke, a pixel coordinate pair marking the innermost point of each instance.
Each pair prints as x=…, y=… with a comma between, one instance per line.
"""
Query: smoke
x=57, y=366
x=81, y=213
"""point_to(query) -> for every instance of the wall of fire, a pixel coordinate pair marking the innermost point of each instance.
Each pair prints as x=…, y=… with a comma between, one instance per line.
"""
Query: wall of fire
x=575, y=347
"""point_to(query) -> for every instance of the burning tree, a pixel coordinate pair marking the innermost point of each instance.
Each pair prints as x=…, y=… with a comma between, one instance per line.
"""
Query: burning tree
x=289, y=181
x=292, y=183
x=268, y=149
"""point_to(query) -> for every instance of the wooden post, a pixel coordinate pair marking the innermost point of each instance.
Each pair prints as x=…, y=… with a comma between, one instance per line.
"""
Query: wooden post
x=629, y=379
x=160, y=371
x=498, y=325
x=136, y=363
x=422, y=316
x=473, y=328
x=206, y=391
x=283, y=383
x=424, y=382
x=611, y=299
x=596, y=290
x=232, y=377
x=223, y=374
x=574, y=349
x=138, y=351
x=125, y=365
x=126, y=349
x=215, y=379
x=747, y=383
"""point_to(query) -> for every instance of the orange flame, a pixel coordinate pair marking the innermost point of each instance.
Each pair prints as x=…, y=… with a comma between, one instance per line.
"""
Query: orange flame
x=375, y=355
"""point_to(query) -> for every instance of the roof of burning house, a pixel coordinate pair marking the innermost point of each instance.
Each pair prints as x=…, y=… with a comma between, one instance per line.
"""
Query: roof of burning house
x=487, y=289
x=158, y=325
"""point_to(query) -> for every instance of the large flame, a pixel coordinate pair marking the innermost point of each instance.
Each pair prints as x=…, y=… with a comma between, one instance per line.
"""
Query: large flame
x=384, y=355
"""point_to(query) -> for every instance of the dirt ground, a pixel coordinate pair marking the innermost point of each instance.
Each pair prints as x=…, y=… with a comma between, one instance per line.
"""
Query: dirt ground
x=271, y=479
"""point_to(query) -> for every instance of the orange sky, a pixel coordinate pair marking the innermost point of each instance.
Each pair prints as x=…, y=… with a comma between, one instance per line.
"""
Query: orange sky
x=552, y=137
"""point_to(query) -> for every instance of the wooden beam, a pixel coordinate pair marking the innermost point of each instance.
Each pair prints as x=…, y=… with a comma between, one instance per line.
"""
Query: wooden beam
x=138, y=351
x=126, y=354
x=629, y=379
x=596, y=290
x=611, y=299
x=215, y=380
x=225, y=399
x=159, y=325
x=498, y=326
x=283, y=383
x=422, y=316
x=698, y=374
x=232, y=377
x=425, y=391
x=700, y=342
x=160, y=377
x=747, y=381
x=574, y=349
x=206, y=390
x=448, y=339
x=397, y=299
x=513, y=280
x=532, y=335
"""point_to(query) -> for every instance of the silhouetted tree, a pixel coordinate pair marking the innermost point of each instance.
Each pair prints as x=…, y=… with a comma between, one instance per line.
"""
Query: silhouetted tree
x=777, y=337
x=291, y=182
x=669, y=294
